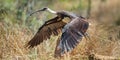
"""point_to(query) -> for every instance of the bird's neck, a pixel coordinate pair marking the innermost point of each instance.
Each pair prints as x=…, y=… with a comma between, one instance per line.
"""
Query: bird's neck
x=70, y=15
x=51, y=11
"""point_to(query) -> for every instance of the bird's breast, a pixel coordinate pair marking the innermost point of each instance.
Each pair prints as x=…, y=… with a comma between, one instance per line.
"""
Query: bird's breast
x=73, y=25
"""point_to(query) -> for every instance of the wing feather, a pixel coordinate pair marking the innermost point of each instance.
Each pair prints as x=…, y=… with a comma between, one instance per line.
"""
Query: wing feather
x=72, y=34
x=51, y=27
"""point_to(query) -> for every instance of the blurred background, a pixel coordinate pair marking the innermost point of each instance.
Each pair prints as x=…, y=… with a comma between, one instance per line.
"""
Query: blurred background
x=16, y=29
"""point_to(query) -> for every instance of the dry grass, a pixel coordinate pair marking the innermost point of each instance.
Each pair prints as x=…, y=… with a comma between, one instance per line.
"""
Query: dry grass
x=13, y=40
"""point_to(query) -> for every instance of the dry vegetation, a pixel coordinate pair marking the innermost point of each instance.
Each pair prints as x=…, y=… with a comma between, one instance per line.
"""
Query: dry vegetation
x=104, y=32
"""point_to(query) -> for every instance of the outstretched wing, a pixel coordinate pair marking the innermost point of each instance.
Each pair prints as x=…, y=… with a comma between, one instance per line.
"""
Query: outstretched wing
x=71, y=36
x=51, y=27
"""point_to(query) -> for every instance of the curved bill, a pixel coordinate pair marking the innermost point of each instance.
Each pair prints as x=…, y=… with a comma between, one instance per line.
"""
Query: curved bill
x=44, y=9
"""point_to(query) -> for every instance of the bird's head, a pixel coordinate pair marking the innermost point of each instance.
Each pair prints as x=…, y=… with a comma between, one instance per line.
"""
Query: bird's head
x=59, y=13
x=44, y=9
x=49, y=10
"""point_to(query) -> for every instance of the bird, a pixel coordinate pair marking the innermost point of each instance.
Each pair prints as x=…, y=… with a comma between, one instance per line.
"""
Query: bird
x=72, y=31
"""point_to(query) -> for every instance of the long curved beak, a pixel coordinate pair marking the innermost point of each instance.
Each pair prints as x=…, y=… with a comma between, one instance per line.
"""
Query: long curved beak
x=44, y=9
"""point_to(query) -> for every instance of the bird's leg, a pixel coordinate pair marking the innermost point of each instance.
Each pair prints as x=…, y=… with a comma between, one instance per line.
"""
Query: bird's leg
x=86, y=35
x=89, y=46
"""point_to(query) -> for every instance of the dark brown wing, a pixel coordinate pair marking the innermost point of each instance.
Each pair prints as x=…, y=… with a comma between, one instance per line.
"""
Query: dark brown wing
x=51, y=27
